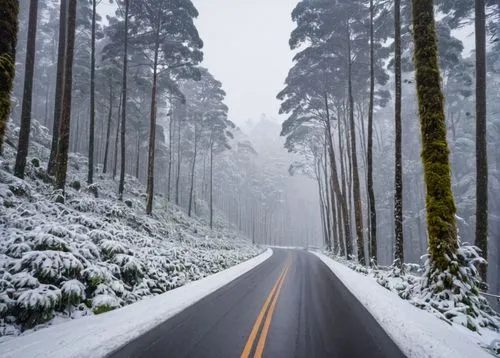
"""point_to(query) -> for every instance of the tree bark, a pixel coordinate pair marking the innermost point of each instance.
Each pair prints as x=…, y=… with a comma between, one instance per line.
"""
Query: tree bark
x=9, y=11
x=152, y=129
x=211, y=183
x=65, y=121
x=193, y=168
x=24, y=133
x=371, y=194
x=121, y=185
x=117, y=137
x=138, y=154
x=59, y=85
x=440, y=206
x=398, y=172
x=358, y=214
x=178, y=161
x=328, y=194
x=481, y=142
x=171, y=147
x=335, y=182
x=108, y=129
x=90, y=177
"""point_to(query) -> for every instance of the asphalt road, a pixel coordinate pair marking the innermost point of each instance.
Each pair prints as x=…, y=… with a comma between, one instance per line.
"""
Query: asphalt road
x=291, y=305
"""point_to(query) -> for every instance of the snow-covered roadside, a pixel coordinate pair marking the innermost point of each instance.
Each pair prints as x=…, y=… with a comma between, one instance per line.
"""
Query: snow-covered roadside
x=97, y=336
x=416, y=332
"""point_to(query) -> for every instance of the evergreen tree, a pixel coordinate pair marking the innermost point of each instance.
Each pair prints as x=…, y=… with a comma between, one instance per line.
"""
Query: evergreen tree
x=165, y=32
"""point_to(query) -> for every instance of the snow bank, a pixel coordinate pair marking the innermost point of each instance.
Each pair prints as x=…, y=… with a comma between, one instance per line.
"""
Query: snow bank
x=97, y=336
x=416, y=332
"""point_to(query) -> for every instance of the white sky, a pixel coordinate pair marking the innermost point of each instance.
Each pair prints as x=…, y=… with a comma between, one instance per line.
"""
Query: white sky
x=246, y=48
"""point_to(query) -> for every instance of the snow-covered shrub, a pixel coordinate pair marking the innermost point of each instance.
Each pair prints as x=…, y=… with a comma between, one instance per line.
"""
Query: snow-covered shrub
x=49, y=266
x=89, y=250
x=72, y=292
x=23, y=280
x=104, y=302
x=17, y=249
x=453, y=295
x=93, y=276
x=110, y=248
x=100, y=235
x=130, y=268
x=37, y=305
x=42, y=242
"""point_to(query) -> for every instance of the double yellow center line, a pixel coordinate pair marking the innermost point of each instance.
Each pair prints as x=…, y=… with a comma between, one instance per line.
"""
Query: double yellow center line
x=268, y=308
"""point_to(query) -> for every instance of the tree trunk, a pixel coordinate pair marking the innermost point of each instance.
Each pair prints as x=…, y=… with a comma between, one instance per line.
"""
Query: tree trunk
x=138, y=155
x=65, y=122
x=399, y=256
x=24, y=133
x=108, y=129
x=115, y=161
x=193, y=168
x=9, y=11
x=440, y=206
x=335, y=181
x=90, y=177
x=371, y=194
x=481, y=143
x=328, y=194
x=211, y=184
x=178, y=161
x=152, y=130
x=358, y=214
x=171, y=147
x=59, y=85
x=121, y=185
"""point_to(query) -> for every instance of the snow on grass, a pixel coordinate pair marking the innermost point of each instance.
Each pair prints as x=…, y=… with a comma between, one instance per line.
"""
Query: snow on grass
x=417, y=332
x=92, y=255
x=98, y=336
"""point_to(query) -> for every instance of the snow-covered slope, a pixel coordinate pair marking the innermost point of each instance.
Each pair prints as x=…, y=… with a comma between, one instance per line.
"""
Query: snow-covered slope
x=100, y=335
x=92, y=255
x=418, y=333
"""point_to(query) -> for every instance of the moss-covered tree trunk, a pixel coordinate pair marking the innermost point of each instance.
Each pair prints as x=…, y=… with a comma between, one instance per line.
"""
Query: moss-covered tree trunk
x=440, y=206
x=9, y=11
x=24, y=133
x=64, y=127
x=59, y=86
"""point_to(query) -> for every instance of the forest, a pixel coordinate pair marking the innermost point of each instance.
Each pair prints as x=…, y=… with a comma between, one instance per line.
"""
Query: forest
x=353, y=98
x=391, y=117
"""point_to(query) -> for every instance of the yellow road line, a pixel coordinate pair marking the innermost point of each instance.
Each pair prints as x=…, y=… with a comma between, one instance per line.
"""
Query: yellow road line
x=258, y=321
x=267, y=323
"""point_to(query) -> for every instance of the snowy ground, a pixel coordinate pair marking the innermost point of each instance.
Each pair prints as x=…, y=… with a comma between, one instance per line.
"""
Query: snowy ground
x=61, y=262
x=418, y=333
x=100, y=335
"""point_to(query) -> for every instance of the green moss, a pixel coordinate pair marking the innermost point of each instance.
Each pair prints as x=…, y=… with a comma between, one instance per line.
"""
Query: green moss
x=102, y=309
x=8, y=40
